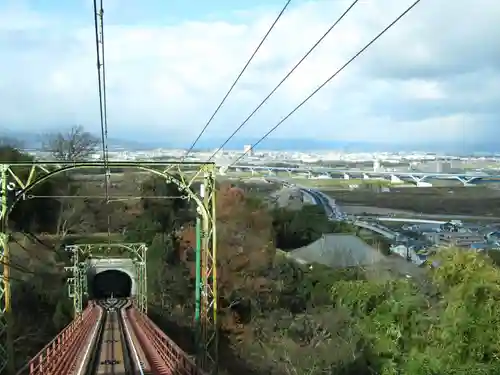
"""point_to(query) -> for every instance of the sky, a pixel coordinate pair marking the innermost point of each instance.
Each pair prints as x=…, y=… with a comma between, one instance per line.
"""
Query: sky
x=434, y=77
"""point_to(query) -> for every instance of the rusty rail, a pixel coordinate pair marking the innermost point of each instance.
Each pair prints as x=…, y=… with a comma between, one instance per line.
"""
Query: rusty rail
x=164, y=355
x=60, y=355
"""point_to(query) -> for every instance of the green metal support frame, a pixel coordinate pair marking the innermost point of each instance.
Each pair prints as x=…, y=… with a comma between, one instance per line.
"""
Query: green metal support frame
x=17, y=181
x=75, y=282
x=83, y=254
x=5, y=300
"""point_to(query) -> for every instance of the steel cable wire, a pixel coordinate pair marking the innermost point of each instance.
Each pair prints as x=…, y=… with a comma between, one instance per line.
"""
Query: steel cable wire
x=238, y=78
x=369, y=44
x=103, y=111
x=20, y=268
x=99, y=43
x=318, y=42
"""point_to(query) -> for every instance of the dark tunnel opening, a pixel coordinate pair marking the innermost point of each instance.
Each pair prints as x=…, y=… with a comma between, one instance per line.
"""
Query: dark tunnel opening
x=111, y=283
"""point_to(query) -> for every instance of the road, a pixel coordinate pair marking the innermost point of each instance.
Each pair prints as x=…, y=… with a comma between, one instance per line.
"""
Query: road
x=333, y=212
x=394, y=263
x=321, y=199
x=357, y=210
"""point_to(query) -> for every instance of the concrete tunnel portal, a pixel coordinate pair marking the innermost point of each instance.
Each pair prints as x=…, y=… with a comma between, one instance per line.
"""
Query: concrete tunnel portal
x=110, y=282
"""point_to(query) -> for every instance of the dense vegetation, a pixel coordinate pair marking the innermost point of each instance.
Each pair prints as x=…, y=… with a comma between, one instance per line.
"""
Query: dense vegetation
x=344, y=322
x=297, y=228
x=276, y=317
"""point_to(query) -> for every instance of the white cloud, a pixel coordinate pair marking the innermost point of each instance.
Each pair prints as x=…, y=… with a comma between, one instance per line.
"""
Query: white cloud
x=422, y=89
x=170, y=78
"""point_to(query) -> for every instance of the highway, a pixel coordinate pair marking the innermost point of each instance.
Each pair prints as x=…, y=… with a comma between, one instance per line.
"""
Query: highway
x=378, y=228
x=319, y=200
x=331, y=209
x=333, y=212
x=359, y=210
x=465, y=177
x=318, y=197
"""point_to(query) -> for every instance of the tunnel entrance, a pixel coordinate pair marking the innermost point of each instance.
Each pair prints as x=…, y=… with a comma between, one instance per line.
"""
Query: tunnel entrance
x=109, y=283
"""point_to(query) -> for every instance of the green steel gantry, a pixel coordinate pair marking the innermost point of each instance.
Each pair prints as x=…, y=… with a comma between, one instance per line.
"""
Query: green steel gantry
x=82, y=254
x=16, y=183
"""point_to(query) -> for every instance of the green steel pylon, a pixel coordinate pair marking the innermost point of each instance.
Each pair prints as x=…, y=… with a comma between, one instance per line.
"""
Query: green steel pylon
x=16, y=182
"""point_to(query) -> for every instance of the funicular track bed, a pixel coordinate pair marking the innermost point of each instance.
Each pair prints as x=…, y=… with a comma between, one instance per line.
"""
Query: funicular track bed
x=115, y=349
x=111, y=337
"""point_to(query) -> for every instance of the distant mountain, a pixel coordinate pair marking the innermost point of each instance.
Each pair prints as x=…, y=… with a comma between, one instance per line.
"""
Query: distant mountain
x=34, y=141
x=280, y=144
x=114, y=143
x=28, y=139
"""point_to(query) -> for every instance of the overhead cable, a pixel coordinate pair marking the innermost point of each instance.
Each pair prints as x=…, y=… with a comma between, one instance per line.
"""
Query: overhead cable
x=27, y=251
x=328, y=80
x=13, y=278
x=32, y=254
x=17, y=267
x=238, y=77
x=318, y=42
x=9, y=278
x=103, y=111
x=34, y=238
x=101, y=77
x=111, y=198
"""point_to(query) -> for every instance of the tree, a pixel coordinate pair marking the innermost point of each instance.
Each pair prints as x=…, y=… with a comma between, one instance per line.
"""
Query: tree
x=41, y=308
x=74, y=218
x=296, y=228
x=415, y=333
x=245, y=247
x=287, y=318
x=164, y=204
x=161, y=213
x=74, y=145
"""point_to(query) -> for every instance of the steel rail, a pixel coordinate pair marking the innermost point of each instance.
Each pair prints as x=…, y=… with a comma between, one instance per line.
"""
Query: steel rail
x=112, y=356
x=111, y=337
x=138, y=356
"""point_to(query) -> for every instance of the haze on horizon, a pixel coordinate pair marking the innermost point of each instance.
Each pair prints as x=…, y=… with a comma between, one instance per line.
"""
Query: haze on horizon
x=434, y=78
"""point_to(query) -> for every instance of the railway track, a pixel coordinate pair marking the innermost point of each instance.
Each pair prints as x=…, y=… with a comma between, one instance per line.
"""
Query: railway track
x=111, y=337
x=116, y=350
x=112, y=355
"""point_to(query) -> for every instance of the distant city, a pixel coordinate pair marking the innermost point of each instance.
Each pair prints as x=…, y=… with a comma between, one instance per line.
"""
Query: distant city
x=377, y=161
x=33, y=141
x=295, y=153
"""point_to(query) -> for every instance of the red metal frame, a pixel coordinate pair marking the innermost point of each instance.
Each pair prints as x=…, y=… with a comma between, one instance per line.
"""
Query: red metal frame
x=132, y=339
x=60, y=355
x=164, y=355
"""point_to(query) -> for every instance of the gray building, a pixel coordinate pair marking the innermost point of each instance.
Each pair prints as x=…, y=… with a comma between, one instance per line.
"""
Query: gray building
x=458, y=239
x=338, y=250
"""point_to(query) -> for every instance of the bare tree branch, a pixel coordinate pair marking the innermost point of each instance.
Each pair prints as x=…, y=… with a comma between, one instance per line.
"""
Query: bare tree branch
x=74, y=145
x=73, y=217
